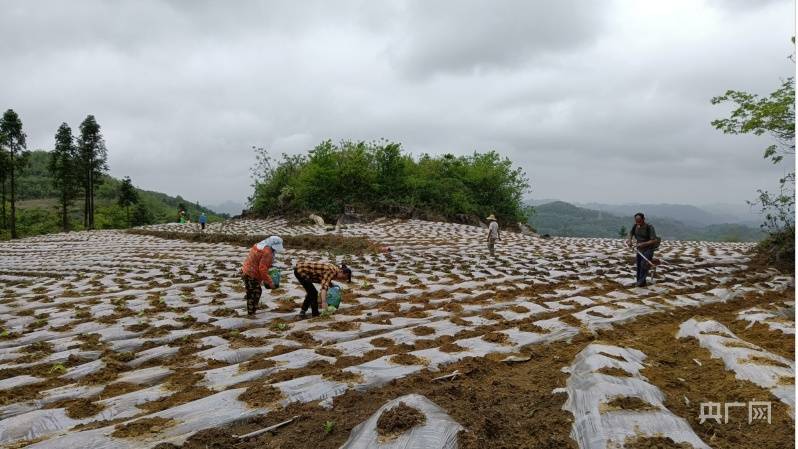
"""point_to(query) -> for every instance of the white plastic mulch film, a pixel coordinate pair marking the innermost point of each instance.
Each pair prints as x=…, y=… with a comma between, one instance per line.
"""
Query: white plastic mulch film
x=439, y=430
x=598, y=425
x=748, y=361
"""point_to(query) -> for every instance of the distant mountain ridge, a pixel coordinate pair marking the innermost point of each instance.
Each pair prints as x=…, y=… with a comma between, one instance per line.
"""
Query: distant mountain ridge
x=687, y=214
x=565, y=219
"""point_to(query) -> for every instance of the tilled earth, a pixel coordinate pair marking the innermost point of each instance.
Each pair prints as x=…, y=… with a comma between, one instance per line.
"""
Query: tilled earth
x=113, y=340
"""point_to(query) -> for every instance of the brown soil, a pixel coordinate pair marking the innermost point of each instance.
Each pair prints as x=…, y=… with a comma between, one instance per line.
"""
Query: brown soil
x=613, y=371
x=399, y=419
x=382, y=342
x=423, y=330
x=517, y=408
x=669, y=360
x=415, y=313
x=183, y=378
x=181, y=397
x=452, y=307
x=256, y=364
x=519, y=309
x=757, y=360
x=78, y=408
x=118, y=389
x=260, y=395
x=530, y=327
x=142, y=426
x=303, y=337
x=451, y=347
x=407, y=359
x=570, y=320
x=627, y=403
x=344, y=376
x=491, y=315
x=496, y=337
x=210, y=439
x=459, y=321
x=328, y=352
x=654, y=443
x=343, y=326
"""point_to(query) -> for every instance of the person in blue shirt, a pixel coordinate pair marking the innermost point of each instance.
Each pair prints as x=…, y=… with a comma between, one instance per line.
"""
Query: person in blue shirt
x=202, y=220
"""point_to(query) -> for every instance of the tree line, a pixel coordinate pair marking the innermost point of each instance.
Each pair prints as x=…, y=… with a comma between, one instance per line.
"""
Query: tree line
x=380, y=178
x=76, y=168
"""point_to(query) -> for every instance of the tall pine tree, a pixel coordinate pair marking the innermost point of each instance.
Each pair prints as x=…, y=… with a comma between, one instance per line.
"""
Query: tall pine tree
x=65, y=171
x=93, y=164
x=13, y=144
x=127, y=196
x=4, y=171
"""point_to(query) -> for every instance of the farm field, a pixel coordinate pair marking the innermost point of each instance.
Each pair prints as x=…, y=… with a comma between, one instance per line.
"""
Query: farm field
x=115, y=340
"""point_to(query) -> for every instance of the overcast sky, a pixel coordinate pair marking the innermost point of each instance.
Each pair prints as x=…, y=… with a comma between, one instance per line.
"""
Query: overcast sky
x=603, y=101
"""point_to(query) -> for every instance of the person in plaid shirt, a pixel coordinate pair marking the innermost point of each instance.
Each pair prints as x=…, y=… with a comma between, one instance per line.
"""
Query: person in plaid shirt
x=256, y=270
x=307, y=273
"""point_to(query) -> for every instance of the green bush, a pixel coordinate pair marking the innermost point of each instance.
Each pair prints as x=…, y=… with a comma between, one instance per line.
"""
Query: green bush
x=379, y=178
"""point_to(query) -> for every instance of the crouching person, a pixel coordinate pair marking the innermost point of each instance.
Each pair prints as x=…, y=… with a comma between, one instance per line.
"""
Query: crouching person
x=256, y=270
x=322, y=273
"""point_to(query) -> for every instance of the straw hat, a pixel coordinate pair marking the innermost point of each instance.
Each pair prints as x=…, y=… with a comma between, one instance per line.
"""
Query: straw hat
x=491, y=217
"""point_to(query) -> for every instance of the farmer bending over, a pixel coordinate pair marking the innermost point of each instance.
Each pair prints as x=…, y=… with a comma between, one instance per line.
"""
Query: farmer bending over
x=323, y=273
x=256, y=269
x=646, y=242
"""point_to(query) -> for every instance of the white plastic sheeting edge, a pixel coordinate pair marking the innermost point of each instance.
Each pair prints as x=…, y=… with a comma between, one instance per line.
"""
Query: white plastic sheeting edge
x=597, y=428
x=741, y=358
x=439, y=431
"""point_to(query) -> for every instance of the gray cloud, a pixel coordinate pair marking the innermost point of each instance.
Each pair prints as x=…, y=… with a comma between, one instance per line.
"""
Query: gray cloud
x=597, y=102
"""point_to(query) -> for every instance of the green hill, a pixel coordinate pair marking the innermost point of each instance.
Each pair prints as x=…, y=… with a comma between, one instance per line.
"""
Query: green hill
x=38, y=213
x=564, y=219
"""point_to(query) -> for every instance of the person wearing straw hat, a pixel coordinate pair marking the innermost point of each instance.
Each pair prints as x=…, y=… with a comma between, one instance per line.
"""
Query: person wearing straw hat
x=256, y=270
x=493, y=234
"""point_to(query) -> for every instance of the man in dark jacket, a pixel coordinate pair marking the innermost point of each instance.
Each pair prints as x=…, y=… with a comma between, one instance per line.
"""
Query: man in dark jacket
x=644, y=238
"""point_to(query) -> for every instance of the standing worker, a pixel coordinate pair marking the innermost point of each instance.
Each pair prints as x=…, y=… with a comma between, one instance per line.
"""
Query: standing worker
x=645, y=242
x=309, y=272
x=256, y=270
x=493, y=234
x=202, y=220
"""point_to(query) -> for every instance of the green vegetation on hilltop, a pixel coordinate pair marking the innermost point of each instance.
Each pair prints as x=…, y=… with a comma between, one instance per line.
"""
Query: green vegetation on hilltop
x=379, y=178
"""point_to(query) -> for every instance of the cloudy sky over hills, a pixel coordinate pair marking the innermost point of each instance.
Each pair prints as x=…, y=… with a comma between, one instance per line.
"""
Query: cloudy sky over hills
x=603, y=101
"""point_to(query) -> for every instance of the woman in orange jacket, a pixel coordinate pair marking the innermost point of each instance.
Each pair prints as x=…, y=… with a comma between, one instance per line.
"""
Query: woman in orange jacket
x=256, y=269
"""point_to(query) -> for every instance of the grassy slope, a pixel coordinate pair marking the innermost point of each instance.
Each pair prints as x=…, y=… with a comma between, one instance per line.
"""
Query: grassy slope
x=38, y=208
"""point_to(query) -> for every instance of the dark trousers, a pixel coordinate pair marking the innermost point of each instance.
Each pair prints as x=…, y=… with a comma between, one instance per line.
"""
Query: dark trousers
x=254, y=291
x=642, y=265
x=311, y=295
x=202, y=225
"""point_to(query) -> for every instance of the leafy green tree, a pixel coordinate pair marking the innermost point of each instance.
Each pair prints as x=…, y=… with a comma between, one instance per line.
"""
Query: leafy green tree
x=64, y=170
x=142, y=215
x=622, y=233
x=13, y=142
x=773, y=115
x=93, y=163
x=128, y=196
